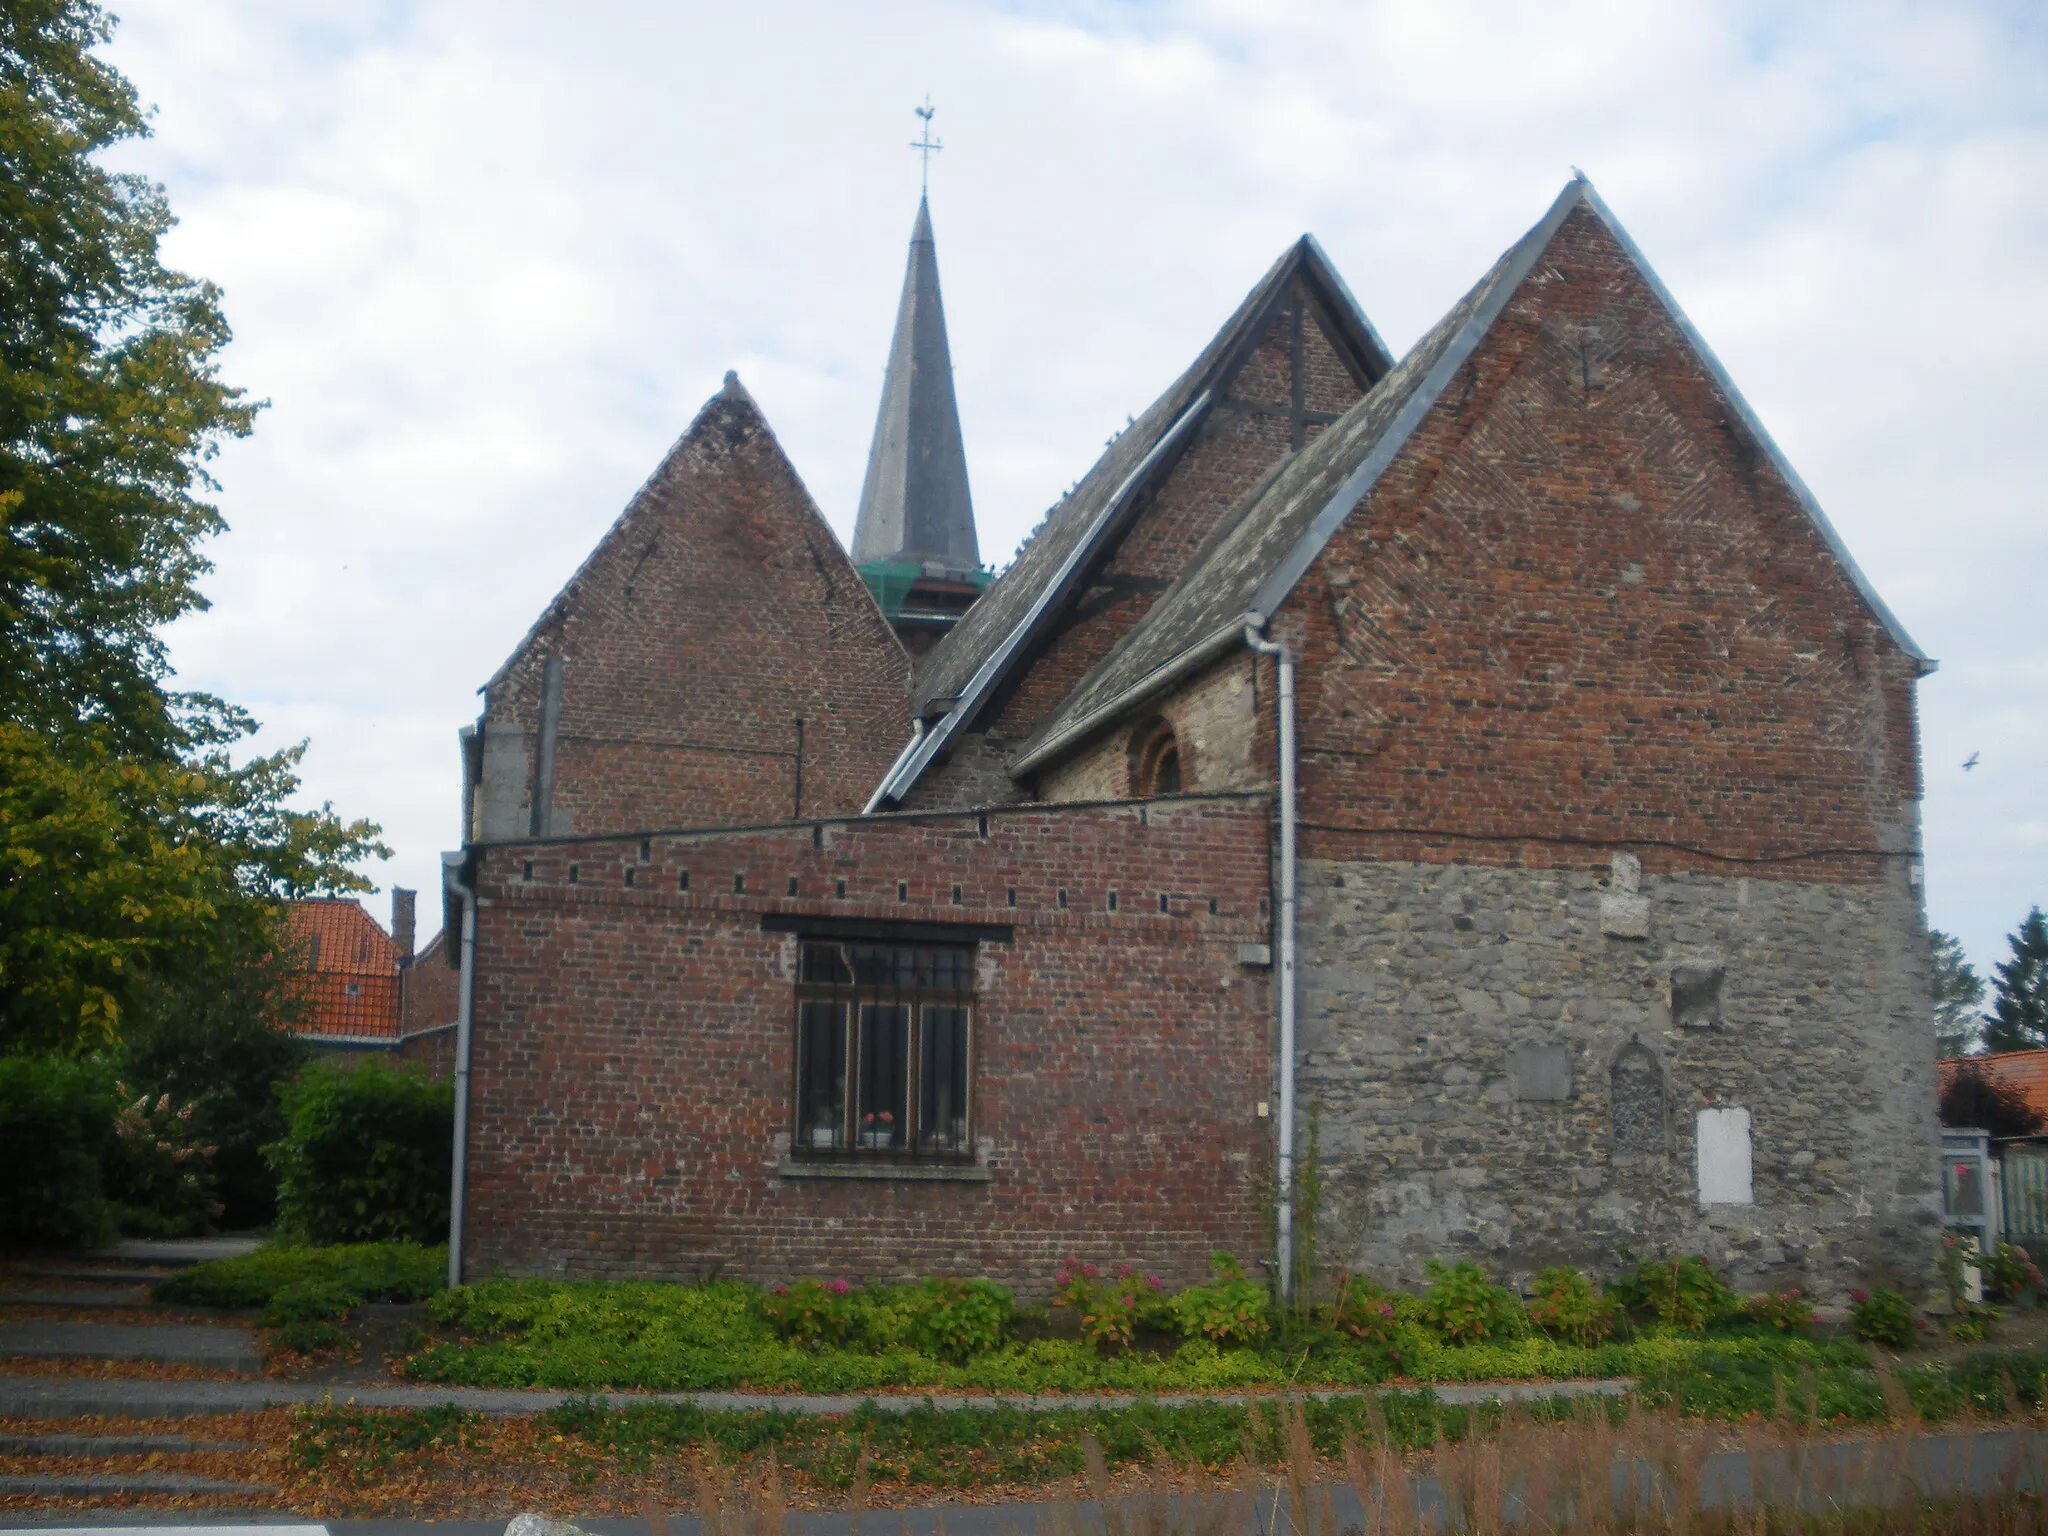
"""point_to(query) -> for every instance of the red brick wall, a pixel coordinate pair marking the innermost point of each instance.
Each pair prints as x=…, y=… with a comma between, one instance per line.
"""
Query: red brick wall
x=715, y=613
x=1587, y=607
x=633, y=1045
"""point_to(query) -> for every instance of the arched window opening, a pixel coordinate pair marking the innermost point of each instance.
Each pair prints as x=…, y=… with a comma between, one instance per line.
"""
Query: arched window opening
x=1156, y=761
x=1637, y=1085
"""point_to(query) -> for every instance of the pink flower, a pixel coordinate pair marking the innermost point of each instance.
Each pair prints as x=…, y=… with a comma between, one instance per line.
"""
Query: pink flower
x=1125, y=1271
x=1153, y=1282
x=837, y=1287
x=1129, y=1302
x=1859, y=1297
x=1386, y=1309
x=1088, y=1270
x=778, y=1290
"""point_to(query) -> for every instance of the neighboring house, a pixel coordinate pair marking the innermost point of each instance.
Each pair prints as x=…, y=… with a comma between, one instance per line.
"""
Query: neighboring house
x=793, y=958
x=367, y=990
x=2026, y=1071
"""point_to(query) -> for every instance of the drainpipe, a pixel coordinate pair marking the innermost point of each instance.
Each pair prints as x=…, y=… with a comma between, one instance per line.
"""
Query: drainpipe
x=466, y=996
x=1284, y=1218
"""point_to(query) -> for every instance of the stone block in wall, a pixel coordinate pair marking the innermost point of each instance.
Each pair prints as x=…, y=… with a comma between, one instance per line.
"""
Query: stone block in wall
x=1540, y=1074
x=1696, y=994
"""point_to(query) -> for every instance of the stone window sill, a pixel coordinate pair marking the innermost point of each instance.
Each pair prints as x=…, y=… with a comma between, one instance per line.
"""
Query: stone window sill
x=940, y=1173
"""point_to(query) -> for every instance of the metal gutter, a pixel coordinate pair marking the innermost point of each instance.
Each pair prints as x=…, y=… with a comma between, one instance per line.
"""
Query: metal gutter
x=452, y=871
x=917, y=756
x=1283, y=1222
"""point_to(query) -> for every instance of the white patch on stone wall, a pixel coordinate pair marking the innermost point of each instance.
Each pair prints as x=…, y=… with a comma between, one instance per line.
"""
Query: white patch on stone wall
x=1624, y=911
x=1724, y=1157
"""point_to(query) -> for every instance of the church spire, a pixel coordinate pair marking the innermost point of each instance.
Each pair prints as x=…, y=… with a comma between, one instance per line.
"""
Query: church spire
x=914, y=507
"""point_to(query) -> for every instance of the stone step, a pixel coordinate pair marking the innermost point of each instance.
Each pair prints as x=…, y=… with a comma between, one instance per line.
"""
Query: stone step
x=113, y=1445
x=94, y=1485
x=81, y=1296
x=98, y=1274
x=174, y=1253
x=227, y=1349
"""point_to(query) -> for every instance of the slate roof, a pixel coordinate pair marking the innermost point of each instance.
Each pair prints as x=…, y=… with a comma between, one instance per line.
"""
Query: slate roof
x=914, y=503
x=1253, y=561
x=971, y=662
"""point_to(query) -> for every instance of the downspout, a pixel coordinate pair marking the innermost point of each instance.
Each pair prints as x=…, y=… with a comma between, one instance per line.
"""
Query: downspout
x=1283, y=1224
x=466, y=996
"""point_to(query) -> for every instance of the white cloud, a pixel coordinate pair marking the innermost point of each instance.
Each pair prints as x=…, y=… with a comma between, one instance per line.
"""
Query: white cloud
x=486, y=259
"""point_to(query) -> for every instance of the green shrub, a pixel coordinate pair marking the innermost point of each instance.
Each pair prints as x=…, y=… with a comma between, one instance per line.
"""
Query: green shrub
x=1788, y=1310
x=1684, y=1294
x=1231, y=1310
x=1364, y=1311
x=159, y=1169
x=1883, y=1317
x=1462, y=1306
x=374, y=1271
x=2008, y=1270
x=1111, y=1312
x=956, y=1319
x=1567, y=1307
x=213, y=1040
x=816, y=1314
x=366, y=1155
x=307, y=1301
x=56, y=1125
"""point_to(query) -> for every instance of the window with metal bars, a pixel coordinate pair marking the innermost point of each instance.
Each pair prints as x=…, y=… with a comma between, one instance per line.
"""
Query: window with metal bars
x=884, y=1051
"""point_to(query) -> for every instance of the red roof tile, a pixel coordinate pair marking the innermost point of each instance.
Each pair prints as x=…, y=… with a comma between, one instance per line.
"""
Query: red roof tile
x=354, y=988
x=2024, y=1070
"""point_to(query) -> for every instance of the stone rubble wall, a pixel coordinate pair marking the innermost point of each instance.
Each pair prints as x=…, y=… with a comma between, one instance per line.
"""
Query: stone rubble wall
x=1461, y=1027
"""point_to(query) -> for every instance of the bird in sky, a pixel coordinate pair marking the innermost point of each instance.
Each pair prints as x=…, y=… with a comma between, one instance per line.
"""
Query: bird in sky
x=1971, y=761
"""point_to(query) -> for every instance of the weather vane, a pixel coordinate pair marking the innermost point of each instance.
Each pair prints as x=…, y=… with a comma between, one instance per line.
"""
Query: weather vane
x=926, y=146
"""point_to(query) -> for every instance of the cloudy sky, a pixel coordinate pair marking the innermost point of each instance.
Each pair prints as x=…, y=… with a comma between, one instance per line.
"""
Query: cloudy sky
x=485, y=258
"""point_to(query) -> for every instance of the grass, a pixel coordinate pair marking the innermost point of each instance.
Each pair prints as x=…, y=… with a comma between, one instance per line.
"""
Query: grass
x=1200, y=1471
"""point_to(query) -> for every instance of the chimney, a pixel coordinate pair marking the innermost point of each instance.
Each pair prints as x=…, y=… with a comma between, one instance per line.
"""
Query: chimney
x=403, y=903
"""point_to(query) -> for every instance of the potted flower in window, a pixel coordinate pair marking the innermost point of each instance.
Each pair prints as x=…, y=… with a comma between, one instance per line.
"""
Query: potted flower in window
x=878, y=1129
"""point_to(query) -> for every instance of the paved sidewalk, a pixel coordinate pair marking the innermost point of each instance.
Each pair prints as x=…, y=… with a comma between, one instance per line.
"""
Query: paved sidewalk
x=66, y=1397
x=227, y=1349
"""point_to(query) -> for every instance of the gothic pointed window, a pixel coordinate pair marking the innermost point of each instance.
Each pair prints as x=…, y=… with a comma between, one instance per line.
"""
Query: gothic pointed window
x=1636, y=1083
x=1156, y=767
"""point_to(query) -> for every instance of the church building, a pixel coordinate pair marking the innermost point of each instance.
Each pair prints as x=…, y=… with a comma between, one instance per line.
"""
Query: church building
x=1487, y=764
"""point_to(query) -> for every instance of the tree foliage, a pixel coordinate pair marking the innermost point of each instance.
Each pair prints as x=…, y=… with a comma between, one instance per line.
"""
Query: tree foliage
x=366, y=1155
x=133, y=847
x=2019, y=990
x=1958, y=995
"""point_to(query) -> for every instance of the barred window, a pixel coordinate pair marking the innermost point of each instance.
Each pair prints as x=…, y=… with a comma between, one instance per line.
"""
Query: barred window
x=884, y=1050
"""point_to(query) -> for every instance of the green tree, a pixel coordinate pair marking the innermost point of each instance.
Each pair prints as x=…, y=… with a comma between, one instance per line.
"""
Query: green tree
x=134, y=849
x=1958, y=995
x=2019, y=1001
x=110, y=399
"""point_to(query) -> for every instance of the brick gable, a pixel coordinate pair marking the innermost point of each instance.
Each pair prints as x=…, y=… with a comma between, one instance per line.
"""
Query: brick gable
x=717, y=613
x=1582, y=604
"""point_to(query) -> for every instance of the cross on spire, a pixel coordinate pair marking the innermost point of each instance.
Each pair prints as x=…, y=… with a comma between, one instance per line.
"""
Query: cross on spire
x=927, y=146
